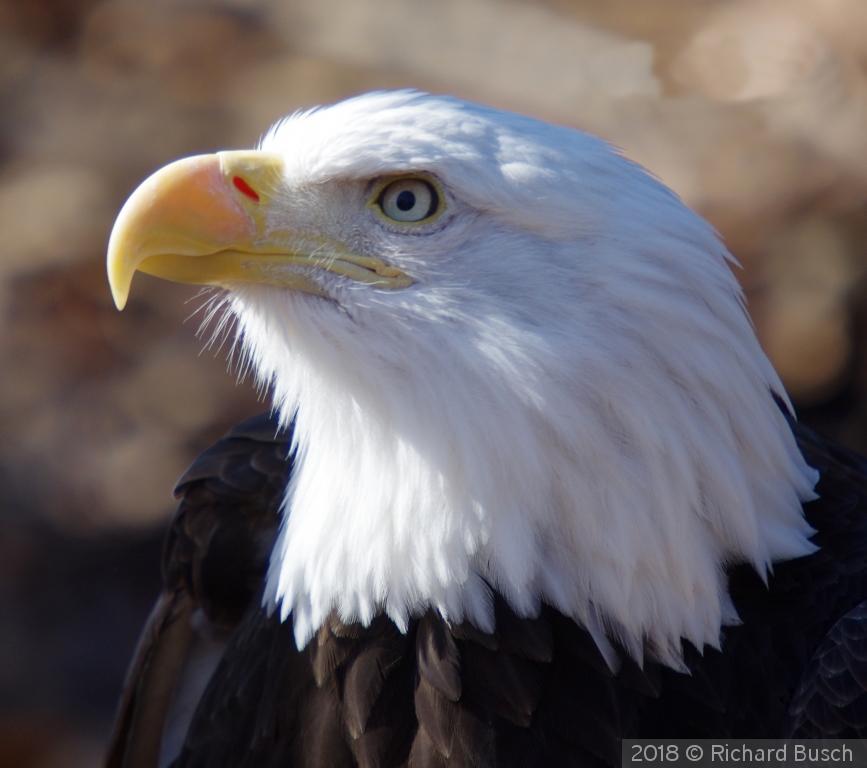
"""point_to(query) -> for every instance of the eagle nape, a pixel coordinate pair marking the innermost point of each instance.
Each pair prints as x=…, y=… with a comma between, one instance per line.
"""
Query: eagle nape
x=529, y=486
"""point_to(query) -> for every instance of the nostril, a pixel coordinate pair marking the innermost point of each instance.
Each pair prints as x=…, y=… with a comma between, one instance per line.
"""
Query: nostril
x=245, y=188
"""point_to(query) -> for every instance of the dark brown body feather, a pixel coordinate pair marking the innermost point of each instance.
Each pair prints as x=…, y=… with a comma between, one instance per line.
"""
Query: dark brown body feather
x=536, y=693
x=214, y=560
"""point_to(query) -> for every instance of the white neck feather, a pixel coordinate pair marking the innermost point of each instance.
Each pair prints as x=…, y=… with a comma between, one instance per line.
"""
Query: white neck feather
x=434, y=464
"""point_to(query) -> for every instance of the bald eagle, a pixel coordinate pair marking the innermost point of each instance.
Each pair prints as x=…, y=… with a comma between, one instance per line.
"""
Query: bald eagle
x=529, y=486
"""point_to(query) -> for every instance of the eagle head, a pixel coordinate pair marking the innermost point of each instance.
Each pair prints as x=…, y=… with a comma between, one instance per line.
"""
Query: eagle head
x=515, y=362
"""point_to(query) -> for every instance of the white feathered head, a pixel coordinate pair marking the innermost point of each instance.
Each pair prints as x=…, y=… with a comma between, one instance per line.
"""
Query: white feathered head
x=515, y=361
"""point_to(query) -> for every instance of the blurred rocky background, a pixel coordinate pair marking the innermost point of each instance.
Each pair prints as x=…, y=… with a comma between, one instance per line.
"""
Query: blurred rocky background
x=754, y=111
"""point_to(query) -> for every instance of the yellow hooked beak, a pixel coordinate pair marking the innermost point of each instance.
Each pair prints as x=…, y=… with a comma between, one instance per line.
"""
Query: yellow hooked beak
x=207, y=220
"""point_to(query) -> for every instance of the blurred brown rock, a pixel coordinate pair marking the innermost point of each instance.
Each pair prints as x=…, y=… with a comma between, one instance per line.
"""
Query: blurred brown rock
x=775, y=55
x=752, y=50
x=189, y=52
x=805, y=324
x=49, y=215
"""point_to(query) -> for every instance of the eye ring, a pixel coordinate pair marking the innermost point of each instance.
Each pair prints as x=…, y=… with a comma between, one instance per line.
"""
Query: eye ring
x=410, y=200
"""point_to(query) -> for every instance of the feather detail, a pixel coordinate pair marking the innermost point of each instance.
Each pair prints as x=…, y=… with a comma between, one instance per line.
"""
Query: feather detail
x=438, y=657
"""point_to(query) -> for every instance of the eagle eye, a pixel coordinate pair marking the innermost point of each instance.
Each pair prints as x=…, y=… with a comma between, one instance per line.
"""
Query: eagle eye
x=409, y=200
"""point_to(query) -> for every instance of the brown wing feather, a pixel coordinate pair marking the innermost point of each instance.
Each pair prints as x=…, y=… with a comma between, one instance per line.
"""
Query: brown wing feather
x=214, y=559
x=439, y=662
x=150, y=684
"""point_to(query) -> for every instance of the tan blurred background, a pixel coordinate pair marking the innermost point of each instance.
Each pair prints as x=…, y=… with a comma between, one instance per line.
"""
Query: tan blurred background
x=754, y=111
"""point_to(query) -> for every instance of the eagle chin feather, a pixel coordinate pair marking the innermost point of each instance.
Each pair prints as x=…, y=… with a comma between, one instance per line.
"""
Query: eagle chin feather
x=568, y=406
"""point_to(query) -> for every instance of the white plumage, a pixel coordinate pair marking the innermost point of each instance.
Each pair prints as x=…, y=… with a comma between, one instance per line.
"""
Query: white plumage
x=568, y=405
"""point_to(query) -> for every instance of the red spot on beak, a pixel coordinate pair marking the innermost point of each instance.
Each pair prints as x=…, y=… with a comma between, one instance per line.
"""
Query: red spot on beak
x=245, y=188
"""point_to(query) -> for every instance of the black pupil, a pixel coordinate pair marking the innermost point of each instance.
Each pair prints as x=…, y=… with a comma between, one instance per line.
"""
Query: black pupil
x=406, y=200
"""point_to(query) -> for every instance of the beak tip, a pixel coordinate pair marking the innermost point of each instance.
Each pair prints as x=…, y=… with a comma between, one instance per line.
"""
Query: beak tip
x=119, y=288
x=119, y=298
